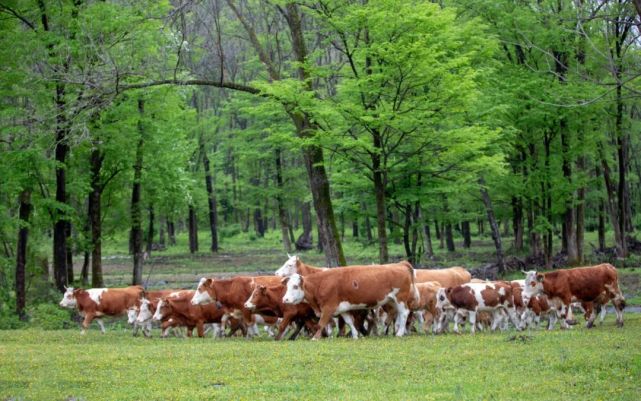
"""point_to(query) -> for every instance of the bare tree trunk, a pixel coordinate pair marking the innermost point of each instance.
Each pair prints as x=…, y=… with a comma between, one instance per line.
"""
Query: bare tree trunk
x=60, y=225
x=84, y=272
x=136, y=207
x=21, y=253
x=161, y=232
x=467, y=237
x=282, y=213
x=171, y=232
x=517, y=223
x=496, y=235
x=150, y=231
x=259, y=227
x=70, y=278
x=427, y=237
x=211, y=202
x=304, y=241
x=193, y=230
x=449, y=238
x=601, y=228
x=355, y=228
x=368, y=225
x=95, y=221
x=620, y=244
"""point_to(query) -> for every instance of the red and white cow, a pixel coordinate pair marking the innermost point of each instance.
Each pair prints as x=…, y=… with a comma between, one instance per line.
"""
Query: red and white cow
x=471, y=298
x=97, y=302
x=133, y=314
x=581, y=284
x=178, y=310
x=340, y=290
x=294, y=265
x=449, y=277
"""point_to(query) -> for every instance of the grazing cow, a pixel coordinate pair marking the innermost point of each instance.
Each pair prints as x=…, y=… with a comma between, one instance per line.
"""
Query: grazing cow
x=471, y=298
x=581, y=284
x=232, y=294
x=340, y=290
x=179, y=309
x=450, y=277
x=97, y=302
x=270, y=299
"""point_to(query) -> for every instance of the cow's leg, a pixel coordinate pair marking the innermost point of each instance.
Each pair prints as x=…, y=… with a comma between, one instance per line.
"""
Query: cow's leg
x=618, y=309
x=349, y=320
x=472, y=317
x=326, y=315
x=101, y=324
x=146, y=330
x=136, y=326
x=200, y=329
x=86, y=322
x=402, y=313
x=497, y=319
x=457, y=318
x=590, y=316
x=511, y=312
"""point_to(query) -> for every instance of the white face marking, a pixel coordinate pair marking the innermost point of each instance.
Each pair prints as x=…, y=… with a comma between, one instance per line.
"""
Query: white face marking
x=157, y=314
x=145, y=311
x=442, y=302
x=68, y=299
x=132, y=314
x=288, y=268
x=294, y=294
x=96, y=293
x=532, y=286
x=201, y=296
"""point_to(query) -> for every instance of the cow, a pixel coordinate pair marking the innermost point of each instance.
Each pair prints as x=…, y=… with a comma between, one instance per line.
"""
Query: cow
x=179, y=309
x=580, y=284
x=450, y=277
x=425, y=307
x=270, y=300
x=471, y=298
x=232, y=294
x=97, y=302
x=340, y=290
x=134, y=312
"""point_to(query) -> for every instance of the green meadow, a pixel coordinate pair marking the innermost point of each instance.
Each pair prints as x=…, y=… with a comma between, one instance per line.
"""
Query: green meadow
x=579, y=364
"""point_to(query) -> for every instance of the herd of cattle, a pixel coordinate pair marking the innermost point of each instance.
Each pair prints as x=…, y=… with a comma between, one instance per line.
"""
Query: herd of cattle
x=370, y=299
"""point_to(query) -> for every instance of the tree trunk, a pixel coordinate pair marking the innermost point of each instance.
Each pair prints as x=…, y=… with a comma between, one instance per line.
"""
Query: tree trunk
x=193, y=230
x=21, y=253
x=619, y=241
x=60, y=225
x=368, y=225
x=305, y=241
x=171, y=232
x=467, y=237
x=95, y=221
x=136, y=206
x=282, y=213
x=449, y=238
x=407, y=223
x=211, y=203
x=355, y=228
x=517, y=223
x=70, y=278
x=601, y=228
x=259, y=226
x=150, y=231
x=379, y=191
x=161, y=233
x=84, y=272
x=496, y=235
x=427, y=235
x=438, y=230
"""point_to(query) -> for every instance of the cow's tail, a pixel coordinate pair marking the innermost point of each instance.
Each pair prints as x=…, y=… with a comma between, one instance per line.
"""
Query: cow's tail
x=415, y=295
x=613, y=288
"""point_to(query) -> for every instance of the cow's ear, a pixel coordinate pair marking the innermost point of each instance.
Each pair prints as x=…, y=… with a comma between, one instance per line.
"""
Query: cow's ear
x=284, y=281
x=539, y=278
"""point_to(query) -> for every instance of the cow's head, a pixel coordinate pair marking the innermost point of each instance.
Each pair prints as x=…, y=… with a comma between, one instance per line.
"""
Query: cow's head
x=533, y=285
x=132, y=314
x=443, y=299
x=163, y=309
x=205, y=292
x=144, y=314
x=295, y=293
x=259, y=291
x=289, y=267
x=69, y=298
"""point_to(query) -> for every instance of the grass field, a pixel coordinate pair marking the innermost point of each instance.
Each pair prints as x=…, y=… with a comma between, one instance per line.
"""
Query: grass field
x=579, y=364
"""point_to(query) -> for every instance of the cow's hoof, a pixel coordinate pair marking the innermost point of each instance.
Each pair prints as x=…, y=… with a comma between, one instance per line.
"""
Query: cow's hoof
x=620, y=324
x=571, y=322
x=589, y=325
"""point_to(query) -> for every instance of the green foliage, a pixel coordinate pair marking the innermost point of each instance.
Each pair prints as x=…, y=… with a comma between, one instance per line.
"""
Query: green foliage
x=48, y=316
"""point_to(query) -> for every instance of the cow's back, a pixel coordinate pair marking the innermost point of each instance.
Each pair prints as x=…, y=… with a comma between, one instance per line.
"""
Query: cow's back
x=116, y=301
x=450, y=277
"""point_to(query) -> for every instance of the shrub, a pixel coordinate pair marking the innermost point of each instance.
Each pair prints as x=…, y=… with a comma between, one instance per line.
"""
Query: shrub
x=50, y=317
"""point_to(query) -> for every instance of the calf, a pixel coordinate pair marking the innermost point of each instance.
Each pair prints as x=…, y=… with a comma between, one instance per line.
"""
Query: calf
x=425, y=306
x=97, y=302
x=179, y=309
x=270, y=299
x=144, y=322
x=340, y=290
x=582, y=284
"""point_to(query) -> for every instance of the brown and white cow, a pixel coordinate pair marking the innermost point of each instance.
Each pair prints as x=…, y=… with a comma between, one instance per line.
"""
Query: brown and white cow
x=134, y=313
x=472, y=298
x=180, y=309
x=450, y=277
x=581, y=284
x=97, y=302
x=425, y=306
x=232, y=294
x=270, y=300
x=340, y=290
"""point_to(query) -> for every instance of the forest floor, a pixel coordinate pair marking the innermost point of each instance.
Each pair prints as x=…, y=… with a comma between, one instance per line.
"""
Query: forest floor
x=603, y=363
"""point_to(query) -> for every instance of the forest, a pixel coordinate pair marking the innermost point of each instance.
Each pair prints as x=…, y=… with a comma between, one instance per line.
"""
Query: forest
x=393, y=122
